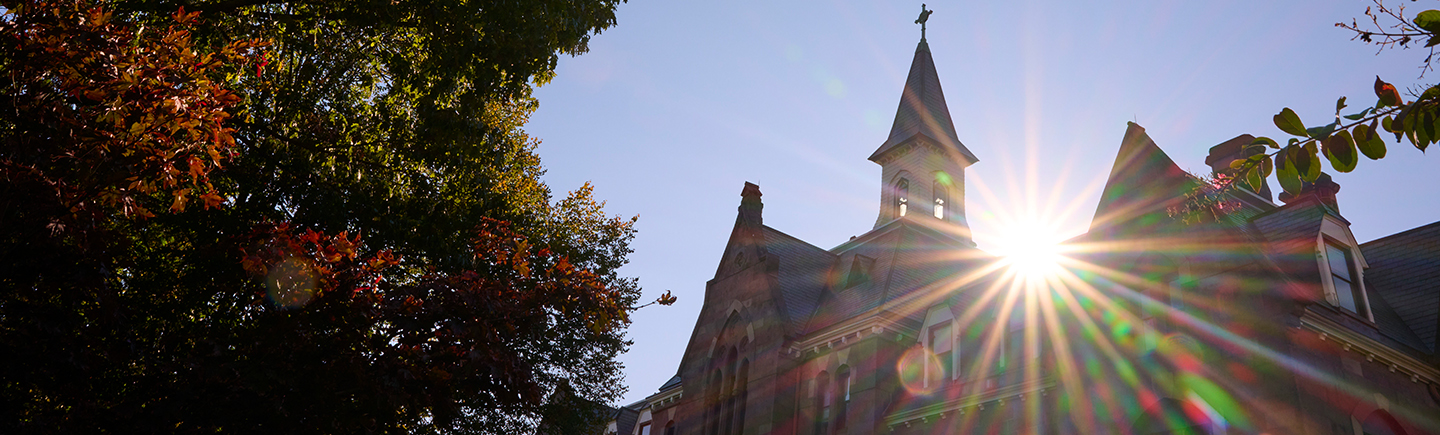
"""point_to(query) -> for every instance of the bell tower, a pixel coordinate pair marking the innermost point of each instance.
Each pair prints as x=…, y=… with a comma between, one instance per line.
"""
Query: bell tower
x=923, y=162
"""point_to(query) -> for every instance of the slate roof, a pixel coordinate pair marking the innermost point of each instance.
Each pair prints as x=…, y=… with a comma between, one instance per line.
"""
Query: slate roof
x=923, y=111
x=1142, y=184
x=1290, y=234
x=1405, y=271
x=908, y=256
x=804, y=272
x=626, y=417
x=675, y=380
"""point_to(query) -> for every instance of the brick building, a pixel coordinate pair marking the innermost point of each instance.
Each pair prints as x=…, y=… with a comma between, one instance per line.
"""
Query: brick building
x=1271, y=318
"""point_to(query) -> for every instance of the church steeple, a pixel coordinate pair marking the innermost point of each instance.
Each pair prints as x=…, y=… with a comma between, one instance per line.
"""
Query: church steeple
x=923, y=162
x=923, y=111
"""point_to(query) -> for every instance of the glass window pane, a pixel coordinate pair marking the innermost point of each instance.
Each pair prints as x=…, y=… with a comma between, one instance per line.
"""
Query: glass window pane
x=1339, y=261
x=1345, y=294
x=940, y=339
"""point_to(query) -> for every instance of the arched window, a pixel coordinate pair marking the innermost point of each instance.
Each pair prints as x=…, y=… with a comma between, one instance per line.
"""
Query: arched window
x=728, y=397
x=902, y=196
x=670, y=428
x=742, y=394
x=713, y=402
x=942, y=196
x=842, y=381
x=822, y=403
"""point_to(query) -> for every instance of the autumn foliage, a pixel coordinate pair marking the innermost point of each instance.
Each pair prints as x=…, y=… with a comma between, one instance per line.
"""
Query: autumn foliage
x=193, y=241
x=109, y=117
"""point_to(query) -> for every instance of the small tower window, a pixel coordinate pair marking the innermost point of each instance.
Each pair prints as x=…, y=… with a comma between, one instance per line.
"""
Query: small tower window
x=941, y=197
x=902, y=196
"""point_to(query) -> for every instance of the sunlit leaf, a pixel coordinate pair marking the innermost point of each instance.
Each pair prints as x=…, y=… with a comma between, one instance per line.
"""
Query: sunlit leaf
x=1428, y=20
x=1340, y=150
x=1389, y=96
x=1357, y=116
x=1322, y=132
x=1254, y=178
x=1307, y=161
x=1262, y=140
x=1289, y=122
x=1286, y=173
x=1369, y=142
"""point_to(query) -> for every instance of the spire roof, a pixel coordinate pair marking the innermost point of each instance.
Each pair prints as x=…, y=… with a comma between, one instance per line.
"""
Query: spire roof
x=922, y=110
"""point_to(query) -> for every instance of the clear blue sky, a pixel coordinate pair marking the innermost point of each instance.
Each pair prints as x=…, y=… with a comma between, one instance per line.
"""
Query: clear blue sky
x=681, y=103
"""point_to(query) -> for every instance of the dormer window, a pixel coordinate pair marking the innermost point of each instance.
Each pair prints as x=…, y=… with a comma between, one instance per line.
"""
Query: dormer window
x=1342, y=275
x=940, y=197
x=902, y=196
x=941, y=344
x=859, y=271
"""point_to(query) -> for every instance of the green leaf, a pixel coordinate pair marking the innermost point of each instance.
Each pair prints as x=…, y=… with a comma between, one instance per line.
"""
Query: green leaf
x=1322, y=132
x=1266, y=166
x=1289, y=122
x=1286, y=173
x=1431, y=94
x=1252, y=178
x=1339, y=104
x=1262, y=140
x=1433, y=41
x=1357, y=116
x=1426, y=122
x=1428, y=20
x=1340, y=150
x=1307, y=161
x=1369, y=142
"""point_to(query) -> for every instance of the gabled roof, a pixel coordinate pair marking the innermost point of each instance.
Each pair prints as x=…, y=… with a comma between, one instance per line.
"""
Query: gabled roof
x=909, y=255
x=1143, y=182
x=1405, y=271
x=674, y=380
x=803, y=275
x=1290, y=234
x=922, y=110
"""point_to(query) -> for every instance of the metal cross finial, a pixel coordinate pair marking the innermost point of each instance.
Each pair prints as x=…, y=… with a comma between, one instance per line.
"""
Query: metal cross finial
x=924, y=16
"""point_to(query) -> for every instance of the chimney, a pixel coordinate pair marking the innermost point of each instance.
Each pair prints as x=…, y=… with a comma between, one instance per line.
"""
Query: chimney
x=1323, y=188
x=750, y=205
x=1221, y=155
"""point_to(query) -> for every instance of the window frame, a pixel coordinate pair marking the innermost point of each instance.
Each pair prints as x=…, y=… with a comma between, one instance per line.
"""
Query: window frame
x=902, y=197
x=1359, y=295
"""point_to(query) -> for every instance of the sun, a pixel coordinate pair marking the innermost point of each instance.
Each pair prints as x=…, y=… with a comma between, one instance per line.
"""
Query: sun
x=1030, y=249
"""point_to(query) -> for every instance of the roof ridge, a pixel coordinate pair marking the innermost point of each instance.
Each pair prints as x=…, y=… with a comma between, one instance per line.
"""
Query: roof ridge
x=807, y=244
x=1403, y=233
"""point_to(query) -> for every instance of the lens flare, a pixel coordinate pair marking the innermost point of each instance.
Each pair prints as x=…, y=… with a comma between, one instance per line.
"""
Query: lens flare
x=291, y=283
x=1031, y=250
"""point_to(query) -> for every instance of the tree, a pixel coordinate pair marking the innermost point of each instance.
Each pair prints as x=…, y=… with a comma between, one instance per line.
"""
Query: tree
x=1343, y=140
x=242, y=216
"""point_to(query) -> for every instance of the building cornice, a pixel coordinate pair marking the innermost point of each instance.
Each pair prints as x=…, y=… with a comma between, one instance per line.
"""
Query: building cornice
x=1397, y=361
x=844, y=333
x=665, y=398
x=978, y=402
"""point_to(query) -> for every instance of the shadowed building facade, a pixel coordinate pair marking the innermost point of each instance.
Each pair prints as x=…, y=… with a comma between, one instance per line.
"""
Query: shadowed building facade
x=1254, y=316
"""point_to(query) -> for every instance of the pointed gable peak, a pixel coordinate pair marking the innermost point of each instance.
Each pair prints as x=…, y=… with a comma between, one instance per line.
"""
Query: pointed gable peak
x=1143, y=181
x=923, y=111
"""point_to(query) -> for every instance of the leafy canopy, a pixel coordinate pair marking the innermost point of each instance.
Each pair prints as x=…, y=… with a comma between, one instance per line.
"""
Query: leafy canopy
x=1342, y=141
x=319, y=217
